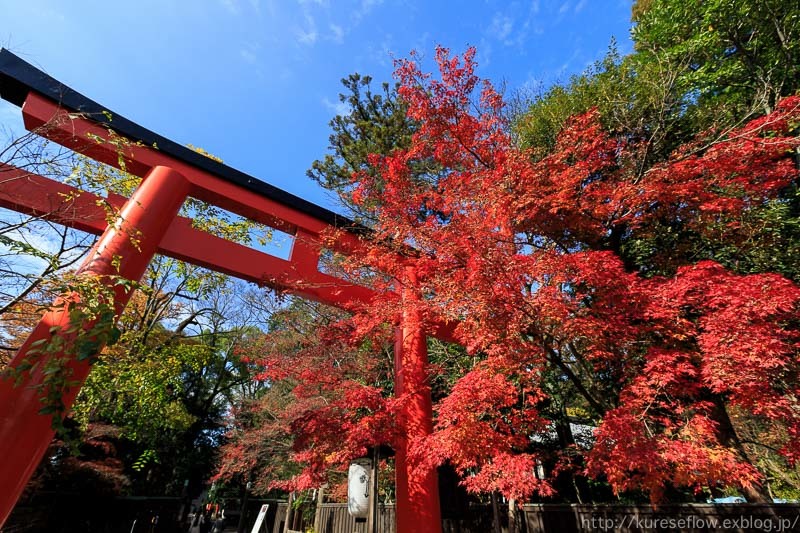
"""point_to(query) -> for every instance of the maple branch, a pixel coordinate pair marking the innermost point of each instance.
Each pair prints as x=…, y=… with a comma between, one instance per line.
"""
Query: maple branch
x=554, y=358
x=761, y=444
x=472, y=152
x=589, y=371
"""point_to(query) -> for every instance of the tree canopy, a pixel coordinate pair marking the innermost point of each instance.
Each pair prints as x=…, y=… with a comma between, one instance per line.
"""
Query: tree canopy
x=620, y=255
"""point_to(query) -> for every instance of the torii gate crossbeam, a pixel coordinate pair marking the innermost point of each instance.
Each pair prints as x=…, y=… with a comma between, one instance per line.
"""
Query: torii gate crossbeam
x=171, y=173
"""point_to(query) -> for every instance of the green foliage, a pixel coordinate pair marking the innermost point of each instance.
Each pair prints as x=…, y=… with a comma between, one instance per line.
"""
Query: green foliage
x=168, y=391
x=449, y=362
x=738, y=56
x=636, y=98
x=88, y=302
x=18, y=246
x=89, y=175
x=608, y=85
x=697, y=65
x=375, y=123
x=764, y=239
x=147, y=456
x=136, y=390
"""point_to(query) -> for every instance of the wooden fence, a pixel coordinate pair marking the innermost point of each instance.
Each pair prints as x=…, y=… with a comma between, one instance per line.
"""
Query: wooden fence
x=77, y=514
x=534, y=518
x=334, y=518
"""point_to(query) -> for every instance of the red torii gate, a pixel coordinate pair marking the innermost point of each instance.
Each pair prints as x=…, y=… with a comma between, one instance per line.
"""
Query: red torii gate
x=171, y=173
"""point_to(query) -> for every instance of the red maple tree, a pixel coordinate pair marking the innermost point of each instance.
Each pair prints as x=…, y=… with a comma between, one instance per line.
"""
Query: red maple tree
x=325, y=405
x=527, y=255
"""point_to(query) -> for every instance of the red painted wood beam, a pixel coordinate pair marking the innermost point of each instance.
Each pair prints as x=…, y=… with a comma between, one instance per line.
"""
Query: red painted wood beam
x=47, y=119
x=36, y=195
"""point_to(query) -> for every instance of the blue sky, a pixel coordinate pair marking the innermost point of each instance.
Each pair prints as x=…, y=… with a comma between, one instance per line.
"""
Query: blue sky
x=256, y=81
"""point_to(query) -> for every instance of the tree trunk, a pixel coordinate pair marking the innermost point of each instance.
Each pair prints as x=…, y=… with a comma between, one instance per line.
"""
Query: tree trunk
x=513, y=522
x=497, y=527
x=318, y=510
x=567, y=441
x=727, y=436
x=287, y=524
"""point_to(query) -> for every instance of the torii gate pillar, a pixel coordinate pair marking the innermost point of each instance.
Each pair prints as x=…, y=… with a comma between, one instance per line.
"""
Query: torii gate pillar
x=417, y=495
x=125, y=249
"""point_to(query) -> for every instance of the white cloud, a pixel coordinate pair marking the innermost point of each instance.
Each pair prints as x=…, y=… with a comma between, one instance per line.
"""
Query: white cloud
x=568, y=63
x=338, y=107
x=270, y=6
x=564, y=8
x=285, y=74
x=337, y=33
x=501, y=27
x=237, y=7
x=382, y=54
x=367, y=5
x=232, y=6
x=307, y=35
x=514, y=26
x=422, y=44
x=531, y=21
x=579, y=7
x=484, y=56
x=248, y=55
x=364, y=9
